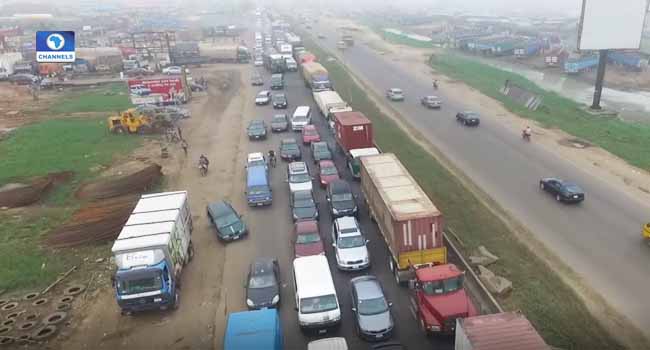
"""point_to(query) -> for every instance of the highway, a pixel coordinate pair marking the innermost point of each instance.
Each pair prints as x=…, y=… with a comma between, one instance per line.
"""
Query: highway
x=599, y=239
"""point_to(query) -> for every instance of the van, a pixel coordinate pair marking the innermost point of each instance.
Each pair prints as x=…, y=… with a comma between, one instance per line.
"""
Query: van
x=301, y=117
x=258, y=187
x=277, y=81
x=336, y=343
x=315, y=296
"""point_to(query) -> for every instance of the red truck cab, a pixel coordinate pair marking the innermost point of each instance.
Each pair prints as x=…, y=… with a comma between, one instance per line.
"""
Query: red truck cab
x=440, y=298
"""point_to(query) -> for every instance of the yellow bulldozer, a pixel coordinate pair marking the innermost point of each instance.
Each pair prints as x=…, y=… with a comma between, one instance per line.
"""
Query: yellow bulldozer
x=130, y=121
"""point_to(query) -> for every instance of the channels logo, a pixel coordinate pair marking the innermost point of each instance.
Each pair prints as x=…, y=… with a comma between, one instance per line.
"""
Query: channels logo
x=55, y=46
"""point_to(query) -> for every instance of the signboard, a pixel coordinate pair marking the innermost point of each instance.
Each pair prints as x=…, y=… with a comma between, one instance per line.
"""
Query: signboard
x=55, y=47
x=156, y=90
x=141, y=258
x=607, y=24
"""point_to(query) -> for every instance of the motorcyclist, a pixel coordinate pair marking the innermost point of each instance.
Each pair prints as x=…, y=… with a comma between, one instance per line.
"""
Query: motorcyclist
x=527, y=132
x=435, y=84
x=204, y=160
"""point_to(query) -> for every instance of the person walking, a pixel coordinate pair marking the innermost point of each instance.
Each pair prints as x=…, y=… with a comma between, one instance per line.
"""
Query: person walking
x=184, y=145
x=180, y=133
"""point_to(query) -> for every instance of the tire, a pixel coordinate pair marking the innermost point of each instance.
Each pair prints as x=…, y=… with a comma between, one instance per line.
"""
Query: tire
x=177, y=301
x=558, y=198
x=396, y=276
x=391, y=264
x=118, y=130
x=541, y=186
x=465, y=122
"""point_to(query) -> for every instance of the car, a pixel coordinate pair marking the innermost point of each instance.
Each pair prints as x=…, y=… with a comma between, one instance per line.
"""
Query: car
x=139, y=90
x=258, y=62
x=263, y=284
x=4, y=74
x=289, y=150
x=310, y=134
x=298, y=177
x=277, y=81
x=256, y=79
x=280, y=101
x=431, y=101
x=321, y=36
x=307, y=240
x=263, y=98
x=303, y=206
x=279, y=122
x=327, y=172
x=256, y=130
x=226, y=220
x=255, y=159
x=563, y=191
x=349, y=244
x=23, y=79
x=395, y=94
x=468, y=118
x=372, y=316
x=172, y=70
x=138, y=71
x=320, y=151
x=46, y=83
x=340, y=199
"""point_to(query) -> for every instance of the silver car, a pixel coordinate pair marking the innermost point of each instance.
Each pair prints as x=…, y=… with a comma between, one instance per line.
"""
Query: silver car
x=371, y=310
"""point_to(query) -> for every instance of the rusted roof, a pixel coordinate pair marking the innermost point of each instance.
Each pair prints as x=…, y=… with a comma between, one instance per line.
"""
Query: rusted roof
x=504, y=331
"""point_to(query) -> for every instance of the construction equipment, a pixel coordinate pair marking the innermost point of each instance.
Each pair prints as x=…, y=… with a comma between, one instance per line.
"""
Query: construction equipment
x=133, y=122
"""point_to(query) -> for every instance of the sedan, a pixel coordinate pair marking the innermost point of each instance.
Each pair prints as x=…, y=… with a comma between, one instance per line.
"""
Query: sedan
x=279, y=122
x=320, y=151
x=327, y=172
x=258, y=62
x=256, y=130
x=256, y=80
x=303, y=206
x=395, y=94
x=374, y=321
x=562, y=190
x=431, y=101
x=263, y=98
x=340, y=199
x=468, y=118
x=226, y=220
x=289, y=150
x=263, y=284
x=280, y=101
x=307, y=240
x=172, y=70
x=310, y=134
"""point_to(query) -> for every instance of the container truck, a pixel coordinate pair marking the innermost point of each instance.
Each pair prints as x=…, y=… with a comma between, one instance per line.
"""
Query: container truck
x=259, y=329
x=330, y=102
x=507, y=330
x=305, y=56
x=275, y=63
x=224, y=53
x=151, y=251
x=316, y=76
x=354, y=137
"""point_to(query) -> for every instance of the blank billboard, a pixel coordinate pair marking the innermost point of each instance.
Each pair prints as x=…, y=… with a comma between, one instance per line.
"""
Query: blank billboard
x=611, y=24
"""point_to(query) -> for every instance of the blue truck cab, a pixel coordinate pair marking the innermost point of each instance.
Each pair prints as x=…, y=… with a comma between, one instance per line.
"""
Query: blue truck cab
x=258, y=187
x=259, y=329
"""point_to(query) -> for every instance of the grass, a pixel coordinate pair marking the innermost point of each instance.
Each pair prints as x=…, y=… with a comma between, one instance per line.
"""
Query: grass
x=107, y=98
x=402, y=40
x=552, y=306
x=627, y=140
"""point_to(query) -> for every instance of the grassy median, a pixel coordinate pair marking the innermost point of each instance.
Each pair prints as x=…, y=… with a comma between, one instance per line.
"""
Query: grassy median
x=106, y=98
x=552, y=306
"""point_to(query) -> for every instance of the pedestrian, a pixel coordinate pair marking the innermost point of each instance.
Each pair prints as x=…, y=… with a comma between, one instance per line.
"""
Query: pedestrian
x=180, y=133
x=184, y=145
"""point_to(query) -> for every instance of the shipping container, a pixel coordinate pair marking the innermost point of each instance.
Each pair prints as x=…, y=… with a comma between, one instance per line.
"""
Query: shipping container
x=504, y=331
x=352, y=130
x=305, y=57
x=407, y=219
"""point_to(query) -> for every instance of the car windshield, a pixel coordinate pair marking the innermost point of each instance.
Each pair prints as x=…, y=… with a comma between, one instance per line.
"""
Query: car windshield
x=443, y=286
x=258, y=190
x=290, y=146
x=262, y=95
x=257, y=162
x=372, y=306
x=350, y=242
x=310, y=132
x=261, y=281
x=397, y=91
x=227, y=220
x=340, y=197
x=307, y=238
x=298, y=178
x=256, y=127
x=278, y=98
x=300, y=119
x=304, y=203
x=279, y=119
x=328, y=170
x=569, y=187
x=471, y=115
x=140, y=284
x=318, y=304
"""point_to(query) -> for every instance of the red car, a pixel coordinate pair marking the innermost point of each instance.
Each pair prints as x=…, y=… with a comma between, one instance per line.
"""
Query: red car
x=307, y=239
x=310, y=134
x=327, y=172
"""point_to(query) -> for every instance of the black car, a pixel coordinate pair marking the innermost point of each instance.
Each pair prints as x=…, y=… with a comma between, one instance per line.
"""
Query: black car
x=277, y=81
x=226, y=220
x=303, y=206
x=279, y=101
x=468, y=118
x=280, y=122
x=256, y=130
x=289, y=150
x=263, y=284
x=562, y=190
x=320, y=151
x=340, y=199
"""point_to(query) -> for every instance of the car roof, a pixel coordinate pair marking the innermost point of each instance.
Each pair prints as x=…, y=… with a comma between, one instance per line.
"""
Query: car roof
x=313, y=276
x=288, y=140
x=339, y=186
x=309, y=126
x=261, y=266
x=395, y=89
x=367, y=287
x=219, y=207
x=306, y=226
x=283, y=116
x=298, y=167
x=255, y=156
x=326, y=162
x=263, y=92
x=319, y=144
x=346, y=222
x=432, y=97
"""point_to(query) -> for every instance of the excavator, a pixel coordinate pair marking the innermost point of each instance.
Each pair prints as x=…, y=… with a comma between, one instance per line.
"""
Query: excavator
x=133, y=122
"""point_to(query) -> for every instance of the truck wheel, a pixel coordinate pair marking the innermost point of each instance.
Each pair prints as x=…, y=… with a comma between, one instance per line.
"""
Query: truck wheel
x=190, y=252
x=423, y=327
x=118, y=130
x=177, y=301
x=397, y=279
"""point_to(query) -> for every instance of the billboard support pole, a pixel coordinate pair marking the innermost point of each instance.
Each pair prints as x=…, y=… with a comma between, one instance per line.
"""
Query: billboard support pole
x=600, y=77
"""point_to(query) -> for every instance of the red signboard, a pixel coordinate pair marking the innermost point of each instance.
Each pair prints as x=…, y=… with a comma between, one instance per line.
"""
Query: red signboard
x=156, y=90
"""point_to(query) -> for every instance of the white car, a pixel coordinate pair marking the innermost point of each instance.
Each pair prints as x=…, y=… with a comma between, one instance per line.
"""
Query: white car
x=256, y=158
x=298, y=177
x=4, y=74
x=258, y=63
x=140, y=90
x=263, y=97
x=173, y=70
x=395, y=94
x=349, y=244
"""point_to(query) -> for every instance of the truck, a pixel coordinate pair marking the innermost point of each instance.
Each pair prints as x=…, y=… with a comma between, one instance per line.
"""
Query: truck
x=160, y=90
x=506, y=330
x=354, y=137
x=150, y=252
x=348, y=40
x=330, y=102
x=304, y=57
x=275, y=63
x=316, y=76
x=223, y=53
x=258, y=329
x=286, y=49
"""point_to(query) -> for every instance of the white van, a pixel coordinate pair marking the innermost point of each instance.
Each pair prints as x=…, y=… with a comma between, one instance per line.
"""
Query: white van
x=336, y=343
x=316, y=300
x=301, y=117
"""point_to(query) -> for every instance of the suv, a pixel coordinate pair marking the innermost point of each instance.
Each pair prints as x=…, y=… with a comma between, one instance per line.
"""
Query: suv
x=395, y=94
x=340, y=199
x=349, y=244
x=298, y=177
x=468, y=118
x=277, y=82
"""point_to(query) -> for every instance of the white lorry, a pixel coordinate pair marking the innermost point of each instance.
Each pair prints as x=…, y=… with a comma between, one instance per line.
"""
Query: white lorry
x=329, y=102
x=151, y=251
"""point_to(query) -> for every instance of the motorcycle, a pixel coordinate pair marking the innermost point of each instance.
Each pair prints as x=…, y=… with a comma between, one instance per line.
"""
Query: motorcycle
x=525, y=135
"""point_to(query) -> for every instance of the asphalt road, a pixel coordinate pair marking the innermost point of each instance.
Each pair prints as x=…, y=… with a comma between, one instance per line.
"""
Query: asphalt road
x=599, y=239
x=271, y=236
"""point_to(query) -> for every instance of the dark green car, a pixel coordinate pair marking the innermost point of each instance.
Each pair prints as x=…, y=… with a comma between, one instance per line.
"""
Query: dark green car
x=226, y=220
x=256, y=130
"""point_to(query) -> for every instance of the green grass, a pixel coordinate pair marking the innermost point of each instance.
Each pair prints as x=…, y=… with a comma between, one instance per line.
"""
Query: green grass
x=402, y=40
x=552, y=306
x=627, y=140
x=106, y=98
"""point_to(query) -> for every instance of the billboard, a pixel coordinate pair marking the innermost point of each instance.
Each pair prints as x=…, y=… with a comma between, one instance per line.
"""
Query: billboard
x=165, y=90
x=607, y=24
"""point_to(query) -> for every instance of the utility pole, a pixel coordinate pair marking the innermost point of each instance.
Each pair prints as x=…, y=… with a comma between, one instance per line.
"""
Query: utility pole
x=600, y=77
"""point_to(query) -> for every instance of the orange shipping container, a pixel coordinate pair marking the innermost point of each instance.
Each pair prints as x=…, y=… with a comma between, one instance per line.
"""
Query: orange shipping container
x=49, y=68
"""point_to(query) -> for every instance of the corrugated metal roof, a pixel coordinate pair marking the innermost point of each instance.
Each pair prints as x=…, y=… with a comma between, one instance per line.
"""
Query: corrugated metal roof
x=504, y=331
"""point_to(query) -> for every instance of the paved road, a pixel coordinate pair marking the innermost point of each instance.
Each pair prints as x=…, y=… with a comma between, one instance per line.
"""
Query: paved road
x=600, y=239
x=271, y=236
